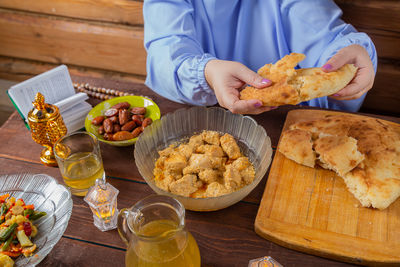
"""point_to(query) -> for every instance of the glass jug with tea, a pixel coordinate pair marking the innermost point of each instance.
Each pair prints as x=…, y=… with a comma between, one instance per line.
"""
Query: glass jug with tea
x=154, y=230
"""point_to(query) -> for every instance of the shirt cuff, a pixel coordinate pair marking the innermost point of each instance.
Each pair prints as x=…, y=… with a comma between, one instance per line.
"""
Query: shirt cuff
x=200, y=73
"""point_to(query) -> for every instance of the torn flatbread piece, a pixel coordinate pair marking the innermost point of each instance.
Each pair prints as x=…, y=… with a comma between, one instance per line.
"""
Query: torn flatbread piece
x=292, y=86
x=338, y=153
x=297, y=145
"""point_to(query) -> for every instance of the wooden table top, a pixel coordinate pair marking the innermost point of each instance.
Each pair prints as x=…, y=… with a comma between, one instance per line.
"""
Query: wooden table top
x=225, y=237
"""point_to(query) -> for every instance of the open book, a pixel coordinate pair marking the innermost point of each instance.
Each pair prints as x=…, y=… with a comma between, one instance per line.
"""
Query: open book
x=56, y=87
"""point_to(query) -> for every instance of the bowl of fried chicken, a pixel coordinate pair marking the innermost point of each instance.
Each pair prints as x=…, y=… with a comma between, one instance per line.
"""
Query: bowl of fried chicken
x=207, y=158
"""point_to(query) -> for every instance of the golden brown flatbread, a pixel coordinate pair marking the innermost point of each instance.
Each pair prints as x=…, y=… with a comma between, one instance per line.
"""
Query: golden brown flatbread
x=365, y=152
x=291, y=86
x=338, y=153
x=297, y=145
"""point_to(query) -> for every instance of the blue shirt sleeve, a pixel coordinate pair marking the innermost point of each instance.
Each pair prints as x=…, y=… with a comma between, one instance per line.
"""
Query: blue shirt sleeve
x=314, y=27
x=175, y=58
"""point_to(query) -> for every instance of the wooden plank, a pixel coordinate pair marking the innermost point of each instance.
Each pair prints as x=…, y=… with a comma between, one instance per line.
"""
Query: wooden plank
x=386, y=42
x=373, y=14
x=333, y=224
x=118, y=11
x=68, y=252
x=384, y=96
x=15, y=69
x=101, y=46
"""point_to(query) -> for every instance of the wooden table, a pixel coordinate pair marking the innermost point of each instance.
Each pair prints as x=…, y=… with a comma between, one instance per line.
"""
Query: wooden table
x=225, y=237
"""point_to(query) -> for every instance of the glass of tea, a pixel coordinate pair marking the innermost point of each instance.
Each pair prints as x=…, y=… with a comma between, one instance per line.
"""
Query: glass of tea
x=79, y=159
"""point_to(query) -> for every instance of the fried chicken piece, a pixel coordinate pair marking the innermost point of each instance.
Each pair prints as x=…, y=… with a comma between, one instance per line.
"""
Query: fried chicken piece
x=230, y=146
x=185, y=186
x=175, y=162
x=245, y=168
x=232, y=178
x=199, y=162
x=196, y=140
x=208, y=176
x=186, y=150
x=167, y=151
x=163, y=181
x=210, y=150
x=215, y=189
x=211, y=137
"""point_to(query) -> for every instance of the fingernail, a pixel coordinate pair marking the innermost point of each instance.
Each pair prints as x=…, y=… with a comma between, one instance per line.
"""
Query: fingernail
x=273, y=108
x=327, y=66
x=257, y=105
x=336, y=95
x=265, y=81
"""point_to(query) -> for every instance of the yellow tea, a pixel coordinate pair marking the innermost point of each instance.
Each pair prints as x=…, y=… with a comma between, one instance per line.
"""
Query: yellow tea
x=81, y=171
x=175, y=250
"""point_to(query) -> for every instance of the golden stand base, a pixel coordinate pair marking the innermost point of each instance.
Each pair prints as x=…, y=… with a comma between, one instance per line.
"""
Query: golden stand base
x=47, y=157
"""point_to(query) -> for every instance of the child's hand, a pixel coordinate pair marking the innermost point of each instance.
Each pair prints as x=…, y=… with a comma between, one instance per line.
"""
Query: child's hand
x=226, y=78
x=365, y=75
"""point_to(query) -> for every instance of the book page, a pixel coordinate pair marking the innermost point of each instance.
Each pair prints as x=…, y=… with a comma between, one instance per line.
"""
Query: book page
x=54, y=85
x=71, y=101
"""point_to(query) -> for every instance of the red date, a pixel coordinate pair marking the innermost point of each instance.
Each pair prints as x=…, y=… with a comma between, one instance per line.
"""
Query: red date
x=117, y=128
x=138, y=119
x=101, y=129
x=122, y=105
x=138, y=111
x=123, y=116
x=129, y=126
x=122, y=135
x=111, y=112
x=147, y=122
x=98, y=120
x=136, y=132
x=108, y=136
x=114, y=119
x=108, y=126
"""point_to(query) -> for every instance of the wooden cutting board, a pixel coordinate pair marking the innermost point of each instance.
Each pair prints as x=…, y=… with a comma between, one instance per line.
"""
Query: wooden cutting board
x=311, y=210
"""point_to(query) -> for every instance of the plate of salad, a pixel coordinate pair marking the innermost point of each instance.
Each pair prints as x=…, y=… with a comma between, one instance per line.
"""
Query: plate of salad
x=34, y=213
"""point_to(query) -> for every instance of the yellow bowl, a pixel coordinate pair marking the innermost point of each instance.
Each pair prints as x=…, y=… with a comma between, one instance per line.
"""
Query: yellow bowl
x=152, y=111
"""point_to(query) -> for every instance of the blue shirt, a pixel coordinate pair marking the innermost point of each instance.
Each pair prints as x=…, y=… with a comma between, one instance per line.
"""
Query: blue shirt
x=181, y=36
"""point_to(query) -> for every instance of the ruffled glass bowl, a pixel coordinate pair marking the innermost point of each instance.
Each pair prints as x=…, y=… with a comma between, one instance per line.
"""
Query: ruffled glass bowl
x=183, y=123
x=47, y=195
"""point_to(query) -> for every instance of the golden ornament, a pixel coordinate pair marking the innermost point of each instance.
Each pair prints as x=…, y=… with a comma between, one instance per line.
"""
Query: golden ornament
x=47, y=126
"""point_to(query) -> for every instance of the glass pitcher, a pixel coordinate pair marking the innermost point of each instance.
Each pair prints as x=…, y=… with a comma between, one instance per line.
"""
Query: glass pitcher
x=154, y=230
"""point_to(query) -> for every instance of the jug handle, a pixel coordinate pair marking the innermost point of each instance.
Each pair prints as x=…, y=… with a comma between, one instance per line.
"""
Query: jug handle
x=123, y=229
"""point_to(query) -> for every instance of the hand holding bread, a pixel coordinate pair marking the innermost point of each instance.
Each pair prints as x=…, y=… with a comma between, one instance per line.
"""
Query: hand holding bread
x=364, y=79
x=226, y=78
x=292, y=86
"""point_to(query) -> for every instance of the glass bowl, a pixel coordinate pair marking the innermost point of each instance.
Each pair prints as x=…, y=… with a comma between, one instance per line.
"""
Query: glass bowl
x=183, y=123
x=152, y=111
x=47, y=195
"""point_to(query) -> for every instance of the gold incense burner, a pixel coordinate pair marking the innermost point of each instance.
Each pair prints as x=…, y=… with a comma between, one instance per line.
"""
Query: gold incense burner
x=47, y=126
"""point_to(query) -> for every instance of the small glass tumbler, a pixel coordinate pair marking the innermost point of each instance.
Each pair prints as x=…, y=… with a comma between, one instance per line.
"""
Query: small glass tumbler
x=79, y=159
x=102, y=200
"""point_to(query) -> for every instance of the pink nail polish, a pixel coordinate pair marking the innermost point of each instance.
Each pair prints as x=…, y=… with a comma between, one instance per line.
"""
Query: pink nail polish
x=265, y=81
x=273, y=108
x=336, y=95
x=257, y=105
x=327, y=66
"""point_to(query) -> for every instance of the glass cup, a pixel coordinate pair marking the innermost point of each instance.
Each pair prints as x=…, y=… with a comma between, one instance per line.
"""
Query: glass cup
x=154, y=230
x=79, y=159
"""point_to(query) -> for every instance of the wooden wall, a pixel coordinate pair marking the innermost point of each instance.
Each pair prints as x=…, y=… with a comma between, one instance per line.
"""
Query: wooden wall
x=104, y=38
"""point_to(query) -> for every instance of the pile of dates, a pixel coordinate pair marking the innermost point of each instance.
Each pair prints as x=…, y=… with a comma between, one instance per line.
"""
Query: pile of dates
x=121, y=122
